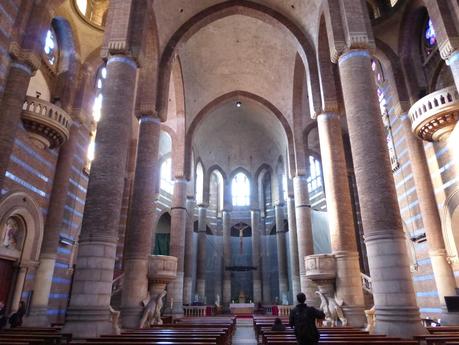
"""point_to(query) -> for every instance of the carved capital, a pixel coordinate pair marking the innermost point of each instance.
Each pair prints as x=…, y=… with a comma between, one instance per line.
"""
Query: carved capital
x=448, y=47
x=29, y=57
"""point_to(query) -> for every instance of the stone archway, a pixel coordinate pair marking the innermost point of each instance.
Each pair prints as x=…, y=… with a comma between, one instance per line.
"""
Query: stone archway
x=21, y=234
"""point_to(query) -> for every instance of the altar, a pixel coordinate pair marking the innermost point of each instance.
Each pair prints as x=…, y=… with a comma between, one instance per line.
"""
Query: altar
x=242, y=309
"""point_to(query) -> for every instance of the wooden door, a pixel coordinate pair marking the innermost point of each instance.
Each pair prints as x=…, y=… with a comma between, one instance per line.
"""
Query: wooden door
x=6, y=277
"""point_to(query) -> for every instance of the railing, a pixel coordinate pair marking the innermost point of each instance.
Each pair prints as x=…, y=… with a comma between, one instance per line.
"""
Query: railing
x=284, y=310
x=366, y=283
x=47, y=121
x=195, y=310
x=434, y=116
x=268, y=309
x=117, y=284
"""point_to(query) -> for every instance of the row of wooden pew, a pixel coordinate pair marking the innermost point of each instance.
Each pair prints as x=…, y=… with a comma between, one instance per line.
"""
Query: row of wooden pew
x=448, y=335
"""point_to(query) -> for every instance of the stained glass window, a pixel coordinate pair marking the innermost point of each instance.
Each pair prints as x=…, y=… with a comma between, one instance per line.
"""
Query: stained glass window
x=429, y=34
x=50, y=47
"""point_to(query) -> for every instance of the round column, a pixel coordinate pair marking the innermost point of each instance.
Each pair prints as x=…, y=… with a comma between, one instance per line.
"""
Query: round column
x=256, y=261
x=10, y=112
x=293, y=247
x=281, y=250
x=304, y=234
x=38, y=316
x=201, y=255
x=395, y=302
x=453, y=63
x=443, y=272
x=88, y=314
x=226, y=258
x=267, y=298
x=188, y=274
x=340, y=218
x=177, y=243
x=140, y=223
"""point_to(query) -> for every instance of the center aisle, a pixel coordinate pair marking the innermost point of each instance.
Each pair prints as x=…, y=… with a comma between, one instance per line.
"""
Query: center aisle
x=244, y=332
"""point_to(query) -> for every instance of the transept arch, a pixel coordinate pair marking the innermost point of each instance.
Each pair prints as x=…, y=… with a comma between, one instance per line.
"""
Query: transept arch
x=228, y=8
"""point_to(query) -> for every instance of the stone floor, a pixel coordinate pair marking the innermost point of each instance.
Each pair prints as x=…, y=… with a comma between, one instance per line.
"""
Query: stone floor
x=244, y=334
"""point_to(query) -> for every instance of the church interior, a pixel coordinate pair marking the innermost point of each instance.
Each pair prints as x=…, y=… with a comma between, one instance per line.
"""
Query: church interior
x=178, y=166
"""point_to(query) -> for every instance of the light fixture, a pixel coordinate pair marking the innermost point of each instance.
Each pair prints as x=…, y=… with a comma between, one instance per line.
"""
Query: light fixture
x=238, y=104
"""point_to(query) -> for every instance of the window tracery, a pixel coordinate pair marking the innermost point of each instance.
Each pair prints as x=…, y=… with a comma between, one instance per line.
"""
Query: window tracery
x=315, y=175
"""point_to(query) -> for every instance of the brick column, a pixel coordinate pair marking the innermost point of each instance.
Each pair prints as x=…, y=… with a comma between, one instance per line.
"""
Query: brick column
x=304, y=234
x=140, y=224
x=293, y=247
x=177, y=242
x=267, y=298
x=340, y=218
x=38, y=316
x=201, y=253
x=443, y=272
x=11, y=109
x=188, y=274
x=395, y=301
x=281, y=250
x=226, y=258
x=256, y=260
x=88, y=314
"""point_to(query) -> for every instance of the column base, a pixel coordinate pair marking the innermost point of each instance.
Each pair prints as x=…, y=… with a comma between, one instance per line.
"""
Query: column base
x=38, y=317
x=130, y=316
x=403, y=322
x=355, y=315
x=88, y=322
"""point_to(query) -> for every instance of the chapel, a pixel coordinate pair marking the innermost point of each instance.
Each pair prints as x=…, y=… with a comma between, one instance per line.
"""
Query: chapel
x=202, y=162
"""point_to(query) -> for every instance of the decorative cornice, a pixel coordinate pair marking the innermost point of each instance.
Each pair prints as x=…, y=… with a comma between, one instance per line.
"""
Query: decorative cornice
x=448, y=47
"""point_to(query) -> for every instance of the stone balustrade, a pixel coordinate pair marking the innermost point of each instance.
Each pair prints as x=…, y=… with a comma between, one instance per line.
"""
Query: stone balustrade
x=195, y=311
x=366, y=283
x=434, y=116
x=48, y=125
x=284, y=310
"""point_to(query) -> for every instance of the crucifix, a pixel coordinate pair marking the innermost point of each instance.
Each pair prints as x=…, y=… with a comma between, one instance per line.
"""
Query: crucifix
x=241, y=227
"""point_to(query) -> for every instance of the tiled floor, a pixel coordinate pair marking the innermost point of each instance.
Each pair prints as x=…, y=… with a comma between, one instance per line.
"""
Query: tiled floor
x=244, y=334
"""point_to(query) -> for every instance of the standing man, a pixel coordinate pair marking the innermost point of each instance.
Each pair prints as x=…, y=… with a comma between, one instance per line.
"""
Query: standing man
x=303, y=320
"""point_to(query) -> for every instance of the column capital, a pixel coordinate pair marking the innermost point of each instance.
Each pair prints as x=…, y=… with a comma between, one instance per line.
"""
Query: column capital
x=148, y=117
x=28, y=58
x=328, y=115
x=119, y=58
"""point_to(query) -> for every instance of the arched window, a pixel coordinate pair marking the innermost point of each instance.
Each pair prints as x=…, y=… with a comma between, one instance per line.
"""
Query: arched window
x=267, y=193
x=240, y=189
x=51, y=48
x=165, y=182
x=216, y=190
x=284, y=187
x=315, y=175
x=429, y=36
x=199, y=183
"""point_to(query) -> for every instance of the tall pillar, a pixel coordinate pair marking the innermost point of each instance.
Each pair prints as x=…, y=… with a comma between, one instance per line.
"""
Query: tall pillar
x=256, y=260
x=340, y=218
x=177, y=243
x=443, y=273
x=11, y=109
x=267, y=298
x=140, y=223
x=38, y=316
x=88, y=314
x=281, y=250
x=304, y=234
x=453, y=62
x=226, y=258
x=201, y=255
x=188, y=274
x=293, y=247
x=396, y=311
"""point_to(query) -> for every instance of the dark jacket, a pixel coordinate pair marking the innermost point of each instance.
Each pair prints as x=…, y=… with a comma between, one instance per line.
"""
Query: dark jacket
x=303, y=320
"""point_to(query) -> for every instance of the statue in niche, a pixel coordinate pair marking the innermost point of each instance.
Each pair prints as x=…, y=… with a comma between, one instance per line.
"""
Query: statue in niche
x=152, y=310
x=11, y=234
x=331, y=306
x=371, y=319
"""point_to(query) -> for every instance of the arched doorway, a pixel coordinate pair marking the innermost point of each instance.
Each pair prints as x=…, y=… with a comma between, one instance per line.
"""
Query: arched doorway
x=21, y=233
